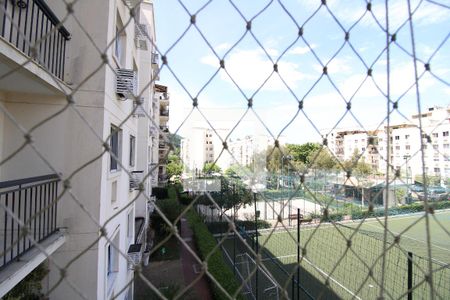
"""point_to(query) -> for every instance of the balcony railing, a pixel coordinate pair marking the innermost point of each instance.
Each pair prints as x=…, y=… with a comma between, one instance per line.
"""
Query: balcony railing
x=164, y=128
x=31, y=22
x=164, y=113
x=33, y=201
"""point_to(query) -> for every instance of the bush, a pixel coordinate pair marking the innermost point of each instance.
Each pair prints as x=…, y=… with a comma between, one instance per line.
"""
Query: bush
x=217, y=266
x=404, y=209
x=333, y=217
x=30, y=287
x=171, y=209
x=160, y=193
x=218, y=227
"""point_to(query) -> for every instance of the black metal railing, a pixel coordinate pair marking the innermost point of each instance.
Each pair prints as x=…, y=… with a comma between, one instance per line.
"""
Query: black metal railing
x=33, y=201
x=25, y=23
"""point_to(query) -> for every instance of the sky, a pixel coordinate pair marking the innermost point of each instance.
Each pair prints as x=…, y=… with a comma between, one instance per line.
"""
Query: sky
x=194, y=53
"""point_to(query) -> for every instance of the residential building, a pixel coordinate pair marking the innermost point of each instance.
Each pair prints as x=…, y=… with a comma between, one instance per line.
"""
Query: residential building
x=162, y=96
x=201, y=146
x=243, y=150
x=405, y=142
x=58, y=105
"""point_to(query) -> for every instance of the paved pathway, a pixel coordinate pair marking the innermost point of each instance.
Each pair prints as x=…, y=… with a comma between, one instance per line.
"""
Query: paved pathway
x=189, y=264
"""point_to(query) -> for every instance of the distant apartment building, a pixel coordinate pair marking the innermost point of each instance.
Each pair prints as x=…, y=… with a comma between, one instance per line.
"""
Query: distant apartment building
x=244, y=150
x=162, y=97
x=405, y=143
x=202, y=145
x=86, y=199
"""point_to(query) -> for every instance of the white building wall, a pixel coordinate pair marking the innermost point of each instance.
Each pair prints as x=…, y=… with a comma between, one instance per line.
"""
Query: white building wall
x=67, y=143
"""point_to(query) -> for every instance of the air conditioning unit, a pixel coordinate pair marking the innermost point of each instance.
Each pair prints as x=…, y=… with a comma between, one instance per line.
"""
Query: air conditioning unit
x=140, y=36
x=126, y=83
x=155, y=58
x=153, y=130
x=139, y=111
x=135, y=179
x=135, y=253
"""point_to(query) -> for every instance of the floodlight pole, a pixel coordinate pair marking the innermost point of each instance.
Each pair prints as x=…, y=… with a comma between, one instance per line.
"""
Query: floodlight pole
x=234, y=240
x=298, y=253
x=256, y=244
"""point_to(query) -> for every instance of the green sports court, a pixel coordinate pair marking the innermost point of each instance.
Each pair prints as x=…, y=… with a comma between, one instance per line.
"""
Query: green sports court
x=346, y=260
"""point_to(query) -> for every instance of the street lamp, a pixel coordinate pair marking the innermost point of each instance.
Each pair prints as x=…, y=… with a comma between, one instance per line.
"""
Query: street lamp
x=288, y=157
x=406, y=158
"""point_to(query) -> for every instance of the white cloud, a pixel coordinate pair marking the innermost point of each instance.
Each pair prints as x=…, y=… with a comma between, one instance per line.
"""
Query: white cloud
x=250, y=68
x=302, y=50
x=338, y=65
x=426, y=14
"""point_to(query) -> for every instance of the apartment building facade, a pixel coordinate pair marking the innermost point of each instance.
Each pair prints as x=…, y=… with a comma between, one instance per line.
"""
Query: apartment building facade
x=162, y=96
x=200, y=146
x=84, y=83
x=405, y=143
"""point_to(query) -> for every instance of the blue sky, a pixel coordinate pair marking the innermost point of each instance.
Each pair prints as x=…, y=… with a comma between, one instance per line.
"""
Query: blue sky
x=223, y=101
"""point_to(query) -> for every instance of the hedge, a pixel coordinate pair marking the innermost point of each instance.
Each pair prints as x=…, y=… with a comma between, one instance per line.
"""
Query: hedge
x=219, y=227
x=404, y=209
x=160, y=192
x=217, y=266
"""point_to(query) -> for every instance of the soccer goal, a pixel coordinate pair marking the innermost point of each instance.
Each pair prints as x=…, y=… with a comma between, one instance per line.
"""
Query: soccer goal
x=245, y=270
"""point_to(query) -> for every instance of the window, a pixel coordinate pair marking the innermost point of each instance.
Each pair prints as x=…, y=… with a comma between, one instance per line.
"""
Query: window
x=408, y=147
x=435, y=134
x=437, y=170
x=114, y=144
x=120, y=42
x=130, y=227
x=446, y=146
x=132, y=150
x=110, y=260
x=397, y=137
x=406, y=136
x=397, y=147
x=112, y=264
x=445, y=133
x=435, y=147
x=113, y=191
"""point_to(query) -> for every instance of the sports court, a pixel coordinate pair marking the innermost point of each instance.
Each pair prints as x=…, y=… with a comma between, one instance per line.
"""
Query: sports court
x=348, y=259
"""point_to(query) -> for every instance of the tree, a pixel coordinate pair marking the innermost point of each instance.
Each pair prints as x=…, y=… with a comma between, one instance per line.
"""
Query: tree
x=357, y=164
x=322, y=159
x=302, y=153
x=233, y=194
x=174, y=166
x=209, y=168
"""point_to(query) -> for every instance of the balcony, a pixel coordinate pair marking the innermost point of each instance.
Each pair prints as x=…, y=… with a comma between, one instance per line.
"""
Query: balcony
x=164, y=113
x=29, y=205
x=164, y=129
x=28, y=23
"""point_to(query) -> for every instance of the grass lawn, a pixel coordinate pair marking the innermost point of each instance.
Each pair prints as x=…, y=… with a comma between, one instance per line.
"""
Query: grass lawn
x=414, y=234
x=328, y=256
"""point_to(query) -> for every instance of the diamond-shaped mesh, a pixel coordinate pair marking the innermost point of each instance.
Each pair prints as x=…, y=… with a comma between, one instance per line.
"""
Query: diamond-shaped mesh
x=365, y=82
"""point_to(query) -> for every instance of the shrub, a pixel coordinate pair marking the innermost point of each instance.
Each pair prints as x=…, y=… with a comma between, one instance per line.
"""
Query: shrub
x=30, y=287
x=218, y=227
x=160, y=193
x=217, y=266
x=171, y=209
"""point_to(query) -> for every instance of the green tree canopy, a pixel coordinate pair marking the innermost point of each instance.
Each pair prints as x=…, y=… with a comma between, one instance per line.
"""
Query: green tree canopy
x=211, y=168
x=302, y=153
x=322, y=158
x=357, y=164
x=174, y=165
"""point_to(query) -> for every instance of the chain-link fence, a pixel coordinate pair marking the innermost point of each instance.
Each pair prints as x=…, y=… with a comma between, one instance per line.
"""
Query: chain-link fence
x=313, y=160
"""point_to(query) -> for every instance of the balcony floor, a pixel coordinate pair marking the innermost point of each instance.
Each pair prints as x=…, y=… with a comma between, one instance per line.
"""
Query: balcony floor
x=16, y=271
x=25, y=75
